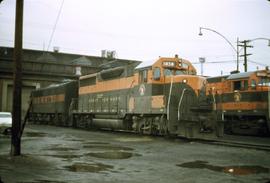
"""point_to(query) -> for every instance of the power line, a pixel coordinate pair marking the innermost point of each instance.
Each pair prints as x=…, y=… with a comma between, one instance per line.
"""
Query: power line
x=216, y=62
x=57, y=18
x=254, y=62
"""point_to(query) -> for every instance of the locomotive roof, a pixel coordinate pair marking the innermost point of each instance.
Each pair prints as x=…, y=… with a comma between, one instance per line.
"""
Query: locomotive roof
x=118, y=63
x=215, y=79
x=145, y=64
x=149, y=64
x=240, y=75
x=56, y=85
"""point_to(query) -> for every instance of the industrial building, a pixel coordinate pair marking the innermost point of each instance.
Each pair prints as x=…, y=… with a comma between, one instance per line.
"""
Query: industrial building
x=42, y=68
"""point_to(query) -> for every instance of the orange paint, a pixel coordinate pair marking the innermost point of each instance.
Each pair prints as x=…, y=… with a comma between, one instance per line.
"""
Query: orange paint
x=158, y=101
x=243, y=106
x=49, y=99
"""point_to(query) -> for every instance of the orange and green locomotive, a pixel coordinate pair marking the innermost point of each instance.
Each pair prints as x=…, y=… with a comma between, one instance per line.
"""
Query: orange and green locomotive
x=51, y=105
x=166, y=97
x=242, y=101
x=163, y=98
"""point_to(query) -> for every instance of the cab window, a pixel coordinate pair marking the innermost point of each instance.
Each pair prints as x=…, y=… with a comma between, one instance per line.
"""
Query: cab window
x=156, y=73
x=264, y=82
x=179, y=72
x=253, y=84
x=240, y=85
x=167, y=72
x=237, y=85
x=143, y=76
x=185, y=66
x=245, y=85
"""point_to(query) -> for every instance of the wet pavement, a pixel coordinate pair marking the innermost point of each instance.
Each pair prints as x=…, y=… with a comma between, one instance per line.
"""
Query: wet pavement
x=63, y=155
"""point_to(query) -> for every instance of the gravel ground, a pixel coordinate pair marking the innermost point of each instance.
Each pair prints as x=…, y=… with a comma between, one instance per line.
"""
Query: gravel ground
x=63, y=155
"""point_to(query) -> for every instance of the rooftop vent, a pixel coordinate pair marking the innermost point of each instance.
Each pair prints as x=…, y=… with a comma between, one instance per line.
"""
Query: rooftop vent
x=108, y=54
x=56, y=49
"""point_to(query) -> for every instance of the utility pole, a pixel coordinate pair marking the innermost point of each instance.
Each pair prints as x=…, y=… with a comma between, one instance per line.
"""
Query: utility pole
x=237, y=55
x=245, y=46
x=17, y=82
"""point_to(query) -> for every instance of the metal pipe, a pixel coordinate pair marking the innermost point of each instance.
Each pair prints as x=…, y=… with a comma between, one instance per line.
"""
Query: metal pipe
x=169, y=99
x=180, y=102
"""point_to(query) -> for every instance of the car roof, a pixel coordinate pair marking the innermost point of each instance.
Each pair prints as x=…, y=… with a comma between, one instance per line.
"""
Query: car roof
x=5, y=112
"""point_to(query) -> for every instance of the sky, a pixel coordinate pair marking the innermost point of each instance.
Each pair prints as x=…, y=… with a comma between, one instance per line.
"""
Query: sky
x=146, y=29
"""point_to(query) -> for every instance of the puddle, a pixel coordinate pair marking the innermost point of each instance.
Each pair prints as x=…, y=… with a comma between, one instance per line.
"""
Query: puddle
x=43, y=181
x=64, y=156
x=75, y=140
x=35, y=134
x=101, y=143
x=85, y=167
x=234, y=170
x=134, y=139
x=112, y=155
x=62, y=149
x=105, y=147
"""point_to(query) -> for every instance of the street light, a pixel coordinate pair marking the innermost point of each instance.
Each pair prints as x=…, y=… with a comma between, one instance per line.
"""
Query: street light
x=202, y=61
x=260, y=38
x=235, y=49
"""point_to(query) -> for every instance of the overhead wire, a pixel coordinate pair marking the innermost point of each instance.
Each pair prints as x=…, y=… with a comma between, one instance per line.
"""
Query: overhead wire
x=56, y=21
x=258, y=63
x=216, y=62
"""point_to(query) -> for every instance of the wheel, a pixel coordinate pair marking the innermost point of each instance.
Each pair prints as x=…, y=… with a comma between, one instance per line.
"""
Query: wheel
x=7, y=131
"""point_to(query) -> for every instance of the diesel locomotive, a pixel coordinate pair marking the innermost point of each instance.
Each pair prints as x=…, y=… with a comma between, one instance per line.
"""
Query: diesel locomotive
x=242, y=101
x=164, y=98
x=51, y=105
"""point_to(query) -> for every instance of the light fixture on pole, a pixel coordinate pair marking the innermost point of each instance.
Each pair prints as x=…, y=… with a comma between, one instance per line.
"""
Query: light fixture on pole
x=200, y=33
x=202, y=61
x=260, y=38
x=235, y=49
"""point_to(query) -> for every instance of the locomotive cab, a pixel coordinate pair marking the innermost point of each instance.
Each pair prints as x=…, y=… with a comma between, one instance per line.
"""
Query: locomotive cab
x=171, y=91
x=167, y=67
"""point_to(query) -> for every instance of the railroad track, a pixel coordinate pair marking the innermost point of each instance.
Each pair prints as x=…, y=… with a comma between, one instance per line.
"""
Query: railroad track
x=257, y=143
x=251, y=142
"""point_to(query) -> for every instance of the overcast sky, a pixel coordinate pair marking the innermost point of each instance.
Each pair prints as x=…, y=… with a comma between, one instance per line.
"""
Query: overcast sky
x=145, y=29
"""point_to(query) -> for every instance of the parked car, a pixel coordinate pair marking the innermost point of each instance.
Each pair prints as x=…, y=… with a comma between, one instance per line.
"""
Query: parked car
x=5, y=122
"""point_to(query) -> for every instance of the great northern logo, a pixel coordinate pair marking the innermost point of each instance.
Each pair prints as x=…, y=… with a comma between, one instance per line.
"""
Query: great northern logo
x=237, y=96
x=142, y=89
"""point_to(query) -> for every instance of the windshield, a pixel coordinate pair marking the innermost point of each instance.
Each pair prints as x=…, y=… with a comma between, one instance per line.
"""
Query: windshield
x=169, y=72
x=5, y=115
x=264, y=82
x=179, y=72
